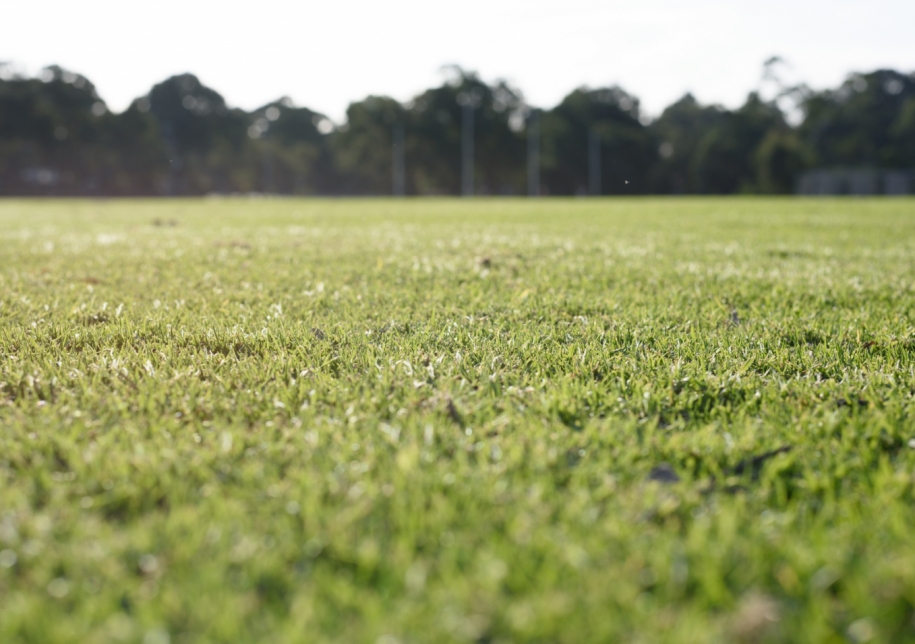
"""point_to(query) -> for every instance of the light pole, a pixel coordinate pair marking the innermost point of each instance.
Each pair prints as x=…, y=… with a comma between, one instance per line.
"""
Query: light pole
x=399, y=177
x=468, y=101
x=175, y=162
x=467, y=150
x=261, y=129
x=269, y=171
x=533, y=154
x=594, y=163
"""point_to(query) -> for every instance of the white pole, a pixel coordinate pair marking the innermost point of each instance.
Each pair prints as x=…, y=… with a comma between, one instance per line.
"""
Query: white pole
x=533, y=154
x=594, y=163
x=399, y=177
x=467, y=150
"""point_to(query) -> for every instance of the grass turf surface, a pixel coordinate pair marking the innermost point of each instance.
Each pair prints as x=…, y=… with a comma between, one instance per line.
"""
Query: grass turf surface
x=434, y=421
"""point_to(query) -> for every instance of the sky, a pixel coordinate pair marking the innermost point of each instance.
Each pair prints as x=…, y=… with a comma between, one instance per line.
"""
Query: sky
x=325, y=55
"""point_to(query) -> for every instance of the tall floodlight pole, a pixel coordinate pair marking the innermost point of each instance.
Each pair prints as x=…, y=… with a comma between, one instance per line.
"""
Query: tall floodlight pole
x=268, y=180
x=533, y=154
x=467, y=148
x=594, y=163
x=174, y=158
x=399, y=177
x=269, y=171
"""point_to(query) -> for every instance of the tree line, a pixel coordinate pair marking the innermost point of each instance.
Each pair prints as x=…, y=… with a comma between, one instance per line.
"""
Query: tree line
x=57, y=137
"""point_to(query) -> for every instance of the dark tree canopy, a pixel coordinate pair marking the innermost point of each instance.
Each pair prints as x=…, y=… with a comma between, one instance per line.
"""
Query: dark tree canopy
x=57, y=137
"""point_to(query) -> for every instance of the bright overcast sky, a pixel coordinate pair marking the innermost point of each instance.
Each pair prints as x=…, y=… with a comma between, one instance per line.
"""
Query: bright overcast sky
x=326, y=54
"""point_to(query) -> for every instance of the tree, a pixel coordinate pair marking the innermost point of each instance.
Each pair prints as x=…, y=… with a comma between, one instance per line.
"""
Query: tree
x=433, y=137
x=679, y=130
x=364, y=148
x=57, y=137
x=207, y=142
x=779, y=160
x=295, y=154
x=627, y=148
x=865, y=122
x=724, y=161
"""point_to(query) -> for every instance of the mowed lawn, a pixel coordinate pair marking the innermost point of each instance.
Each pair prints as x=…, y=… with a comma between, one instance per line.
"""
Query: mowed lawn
x=383, y=421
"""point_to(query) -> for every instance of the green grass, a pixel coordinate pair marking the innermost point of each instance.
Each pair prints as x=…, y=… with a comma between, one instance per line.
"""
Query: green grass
x=434, y=420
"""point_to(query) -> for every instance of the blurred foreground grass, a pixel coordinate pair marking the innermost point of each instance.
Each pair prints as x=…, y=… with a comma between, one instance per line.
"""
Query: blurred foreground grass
x=434, y=421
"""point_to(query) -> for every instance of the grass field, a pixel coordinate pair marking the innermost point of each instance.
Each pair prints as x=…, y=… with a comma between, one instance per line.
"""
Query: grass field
x=432, y=421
